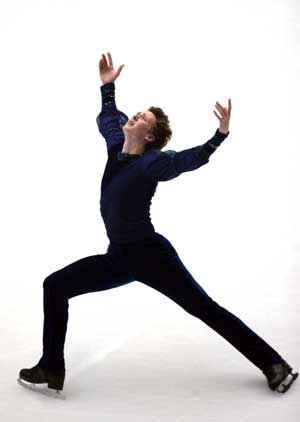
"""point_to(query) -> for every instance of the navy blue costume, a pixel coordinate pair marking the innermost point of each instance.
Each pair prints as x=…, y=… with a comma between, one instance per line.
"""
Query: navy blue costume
x=130, y=180
x=136, y=252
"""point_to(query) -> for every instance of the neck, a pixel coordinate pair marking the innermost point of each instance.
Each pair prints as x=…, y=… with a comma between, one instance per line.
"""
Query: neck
x=133, y=146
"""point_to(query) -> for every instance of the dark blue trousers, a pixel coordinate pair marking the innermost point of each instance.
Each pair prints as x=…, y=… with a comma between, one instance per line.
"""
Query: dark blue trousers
x=152, y=261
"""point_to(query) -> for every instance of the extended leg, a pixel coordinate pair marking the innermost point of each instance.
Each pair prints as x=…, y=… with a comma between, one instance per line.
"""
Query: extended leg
x=168, y=275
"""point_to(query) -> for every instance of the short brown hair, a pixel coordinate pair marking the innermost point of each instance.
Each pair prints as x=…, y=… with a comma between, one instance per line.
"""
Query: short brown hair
x=161, y=131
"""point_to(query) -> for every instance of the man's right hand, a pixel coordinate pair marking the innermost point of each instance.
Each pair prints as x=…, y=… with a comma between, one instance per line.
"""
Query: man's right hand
x=106, y=69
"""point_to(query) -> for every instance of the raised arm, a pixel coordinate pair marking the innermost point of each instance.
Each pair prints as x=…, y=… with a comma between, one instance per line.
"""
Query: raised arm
x=110, y=117
x=108, y=75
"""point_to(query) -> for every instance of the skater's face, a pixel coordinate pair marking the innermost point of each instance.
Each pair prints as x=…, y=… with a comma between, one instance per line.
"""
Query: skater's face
x=140, y=125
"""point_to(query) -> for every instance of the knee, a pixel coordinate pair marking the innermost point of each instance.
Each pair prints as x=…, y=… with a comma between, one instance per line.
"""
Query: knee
x=50, y=282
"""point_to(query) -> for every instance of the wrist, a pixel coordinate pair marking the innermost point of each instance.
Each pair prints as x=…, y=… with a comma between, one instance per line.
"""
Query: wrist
x=104, y=82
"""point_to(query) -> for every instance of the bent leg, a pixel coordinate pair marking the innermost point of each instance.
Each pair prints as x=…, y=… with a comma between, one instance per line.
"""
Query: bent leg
x=91, y=274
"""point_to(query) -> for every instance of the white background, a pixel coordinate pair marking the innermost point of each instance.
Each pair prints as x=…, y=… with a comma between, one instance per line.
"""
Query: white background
x=131, y=353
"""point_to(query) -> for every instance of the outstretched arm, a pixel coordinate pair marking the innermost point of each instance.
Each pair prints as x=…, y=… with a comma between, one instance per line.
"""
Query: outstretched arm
x=167, y=165
x=170, y=164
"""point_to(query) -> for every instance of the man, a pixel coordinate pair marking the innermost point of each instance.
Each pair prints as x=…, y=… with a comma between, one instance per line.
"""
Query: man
x=136, y=251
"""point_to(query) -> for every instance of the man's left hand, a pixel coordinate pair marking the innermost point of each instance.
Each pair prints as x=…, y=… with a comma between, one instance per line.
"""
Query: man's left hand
x=225, y=116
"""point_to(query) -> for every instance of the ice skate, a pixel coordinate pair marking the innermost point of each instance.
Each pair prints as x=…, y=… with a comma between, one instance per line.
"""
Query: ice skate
x=28, y=378
x=280, y=377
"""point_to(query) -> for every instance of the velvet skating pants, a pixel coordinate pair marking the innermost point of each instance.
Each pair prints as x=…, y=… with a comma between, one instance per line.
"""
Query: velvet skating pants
x=154, y=262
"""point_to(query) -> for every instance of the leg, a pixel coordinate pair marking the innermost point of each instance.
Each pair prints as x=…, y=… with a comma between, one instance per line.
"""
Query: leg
x=168, y=275
x=91, y=274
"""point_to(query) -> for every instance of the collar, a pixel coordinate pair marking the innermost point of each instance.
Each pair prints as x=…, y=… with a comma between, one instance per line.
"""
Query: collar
x=123, y=156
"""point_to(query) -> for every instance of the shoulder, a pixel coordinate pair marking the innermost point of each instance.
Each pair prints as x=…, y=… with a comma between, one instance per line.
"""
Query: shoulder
x=158, y=165
x=157, y=155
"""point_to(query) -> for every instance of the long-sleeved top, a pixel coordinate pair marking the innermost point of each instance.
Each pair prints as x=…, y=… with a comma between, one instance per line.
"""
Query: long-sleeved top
x=130, y=180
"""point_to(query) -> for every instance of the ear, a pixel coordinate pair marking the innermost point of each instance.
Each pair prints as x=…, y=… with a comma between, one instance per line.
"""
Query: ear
x=150, y=138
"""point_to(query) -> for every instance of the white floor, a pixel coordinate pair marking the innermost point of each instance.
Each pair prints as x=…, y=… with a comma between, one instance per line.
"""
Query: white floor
x=167, y=369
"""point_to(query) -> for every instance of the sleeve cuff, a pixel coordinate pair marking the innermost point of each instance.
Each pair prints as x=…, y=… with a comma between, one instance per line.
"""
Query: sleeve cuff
x=107, y=87
x=221, y=135
x=218, y=138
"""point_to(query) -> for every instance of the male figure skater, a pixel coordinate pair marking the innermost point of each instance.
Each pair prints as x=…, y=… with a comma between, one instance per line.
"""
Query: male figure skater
x=136, y=251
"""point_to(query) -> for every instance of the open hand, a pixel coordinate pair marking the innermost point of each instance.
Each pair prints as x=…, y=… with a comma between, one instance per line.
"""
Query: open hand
x=225, y=116
x=106, y=69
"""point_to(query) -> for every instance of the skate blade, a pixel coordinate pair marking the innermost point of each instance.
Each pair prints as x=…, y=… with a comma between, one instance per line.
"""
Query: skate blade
x=285, y=385
x=45, y=391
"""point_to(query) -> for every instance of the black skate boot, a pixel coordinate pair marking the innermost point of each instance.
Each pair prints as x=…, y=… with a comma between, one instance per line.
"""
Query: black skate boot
x=278, y=373
x=37, y=375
